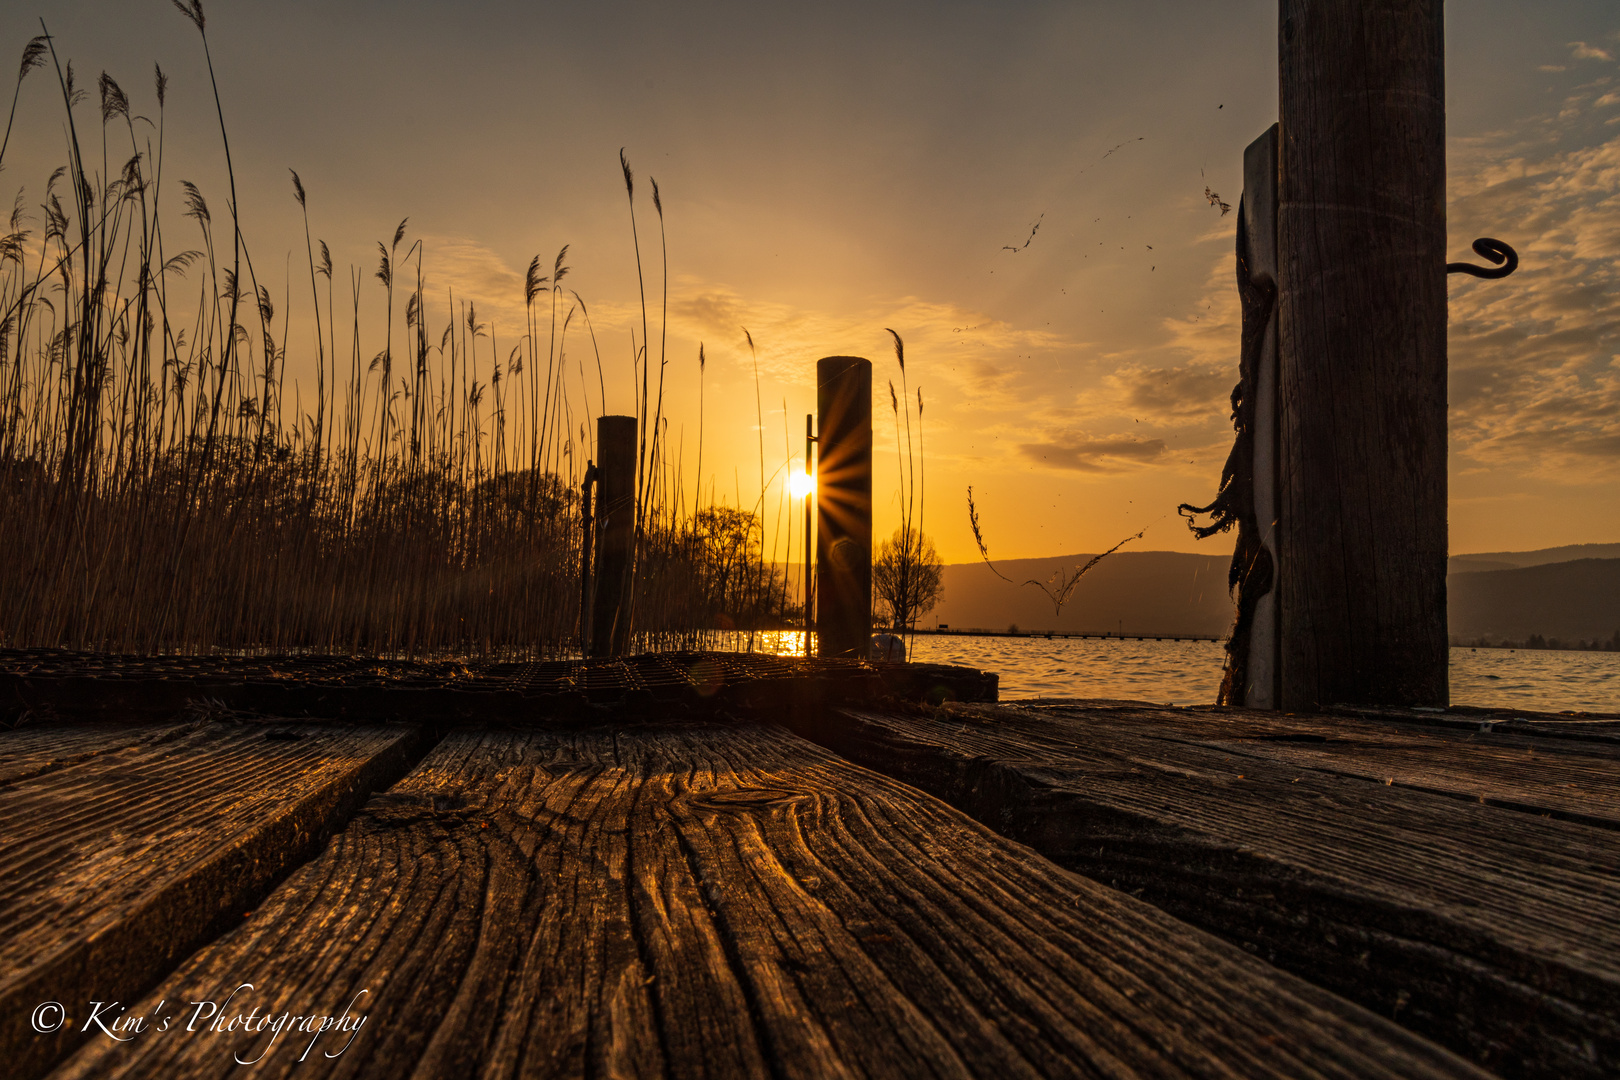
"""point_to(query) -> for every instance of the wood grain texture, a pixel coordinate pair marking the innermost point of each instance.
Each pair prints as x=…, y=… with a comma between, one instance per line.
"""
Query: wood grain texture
x=36, y=749
x=1565, y=778
x=1493, y=930
x=707, y=900
x=1361, y=235
x=116, y=864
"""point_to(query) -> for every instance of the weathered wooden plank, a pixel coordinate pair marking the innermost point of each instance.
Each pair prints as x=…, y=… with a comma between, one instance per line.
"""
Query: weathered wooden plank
x=1494, y=931
x=1576, y=780
x=115, y=865
x=42, y=747
x=700, y=899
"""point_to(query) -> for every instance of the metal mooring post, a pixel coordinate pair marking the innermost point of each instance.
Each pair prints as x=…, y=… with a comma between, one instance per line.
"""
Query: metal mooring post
x=809, y=531
x=587, y=546
x=1361, y=331
x=616, y=534
x=1251, y=676
x=844, y=507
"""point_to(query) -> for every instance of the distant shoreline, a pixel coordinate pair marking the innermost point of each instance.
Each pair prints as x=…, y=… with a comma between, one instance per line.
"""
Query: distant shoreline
x=1535, y=643
x=1053, y=634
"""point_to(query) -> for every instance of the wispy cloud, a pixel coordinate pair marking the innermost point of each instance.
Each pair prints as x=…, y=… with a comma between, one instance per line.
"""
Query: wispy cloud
x=984, y=358
x=1194, y=391
x=1535, y=358
x=471, y=272
x=1084, y=453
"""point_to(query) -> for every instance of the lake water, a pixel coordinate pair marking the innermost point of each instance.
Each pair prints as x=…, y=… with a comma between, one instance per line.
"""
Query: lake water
x=1189, y=672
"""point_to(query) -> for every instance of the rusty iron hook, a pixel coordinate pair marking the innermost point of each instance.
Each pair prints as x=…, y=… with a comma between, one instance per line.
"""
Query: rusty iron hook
x=1494, y=250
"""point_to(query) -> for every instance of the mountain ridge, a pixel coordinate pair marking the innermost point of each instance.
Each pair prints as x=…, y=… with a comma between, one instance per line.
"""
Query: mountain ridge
x=1492, y=596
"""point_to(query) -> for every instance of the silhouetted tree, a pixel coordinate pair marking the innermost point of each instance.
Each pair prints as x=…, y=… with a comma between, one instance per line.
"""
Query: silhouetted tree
x=908, y=578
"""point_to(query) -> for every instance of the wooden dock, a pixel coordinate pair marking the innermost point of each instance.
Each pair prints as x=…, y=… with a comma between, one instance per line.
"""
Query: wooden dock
x=810, y=883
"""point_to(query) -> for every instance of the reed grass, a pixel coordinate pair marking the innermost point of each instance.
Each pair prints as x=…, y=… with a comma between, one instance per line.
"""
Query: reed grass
x=907, y=574
x=163, y=488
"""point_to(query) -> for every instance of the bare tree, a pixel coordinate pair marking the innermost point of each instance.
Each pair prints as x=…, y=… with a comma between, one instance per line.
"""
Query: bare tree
x=908, y=578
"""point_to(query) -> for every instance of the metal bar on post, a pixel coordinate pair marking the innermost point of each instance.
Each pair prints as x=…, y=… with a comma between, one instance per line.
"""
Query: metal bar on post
x=1361, y=265
x=809, y=534
x=586, y=549
x=616, y=536
x=1260, y=250
x=844, y=507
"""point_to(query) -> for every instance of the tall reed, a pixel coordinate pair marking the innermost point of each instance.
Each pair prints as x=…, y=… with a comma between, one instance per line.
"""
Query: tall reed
x=163, y=487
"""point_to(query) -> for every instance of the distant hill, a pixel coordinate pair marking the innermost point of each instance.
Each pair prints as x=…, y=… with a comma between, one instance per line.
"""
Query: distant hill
x=1507, y=560
x=1571, y=593
x=1147, y=593
x=1576, y=600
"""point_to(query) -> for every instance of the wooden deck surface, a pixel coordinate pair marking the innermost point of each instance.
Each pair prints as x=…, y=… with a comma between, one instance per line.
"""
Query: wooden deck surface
x=699, y=898
x=125, y=847
x=1463, y=881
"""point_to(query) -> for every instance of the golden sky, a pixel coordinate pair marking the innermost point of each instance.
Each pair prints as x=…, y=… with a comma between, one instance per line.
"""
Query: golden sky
x=1017, y=189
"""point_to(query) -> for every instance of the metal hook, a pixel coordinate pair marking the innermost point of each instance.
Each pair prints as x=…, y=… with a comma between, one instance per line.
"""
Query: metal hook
x=1494, y=250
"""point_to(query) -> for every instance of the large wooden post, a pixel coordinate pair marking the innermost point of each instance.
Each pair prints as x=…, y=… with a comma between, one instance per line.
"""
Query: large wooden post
x=1362, y=353
x=844, y=507
x=615, y=534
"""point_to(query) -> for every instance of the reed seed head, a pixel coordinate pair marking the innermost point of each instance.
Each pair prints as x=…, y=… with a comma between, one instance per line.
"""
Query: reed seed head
x=113, y=100
x=74, y=95
x=196, y=205
x=533, y=283
x=194, y=12
x=899, y=350
x=298, y=188
x=33, y=56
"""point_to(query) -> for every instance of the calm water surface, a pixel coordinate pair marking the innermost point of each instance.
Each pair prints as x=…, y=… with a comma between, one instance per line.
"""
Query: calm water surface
x=1189, y=672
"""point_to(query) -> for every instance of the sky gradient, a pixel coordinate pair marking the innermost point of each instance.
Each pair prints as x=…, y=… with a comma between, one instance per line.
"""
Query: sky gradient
x=1018, y=189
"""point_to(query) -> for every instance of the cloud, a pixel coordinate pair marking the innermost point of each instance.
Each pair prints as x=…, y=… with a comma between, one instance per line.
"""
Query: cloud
x=1176, y=393
x=472, y=272
x=1535, y=384
x=982, y=357
x=1208, y=337
x=1109, y=453
x=1580, y=50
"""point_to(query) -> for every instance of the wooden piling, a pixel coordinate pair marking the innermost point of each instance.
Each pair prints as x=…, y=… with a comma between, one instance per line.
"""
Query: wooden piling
x=1362, y=353
x=615, y=535
x=844, y=506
